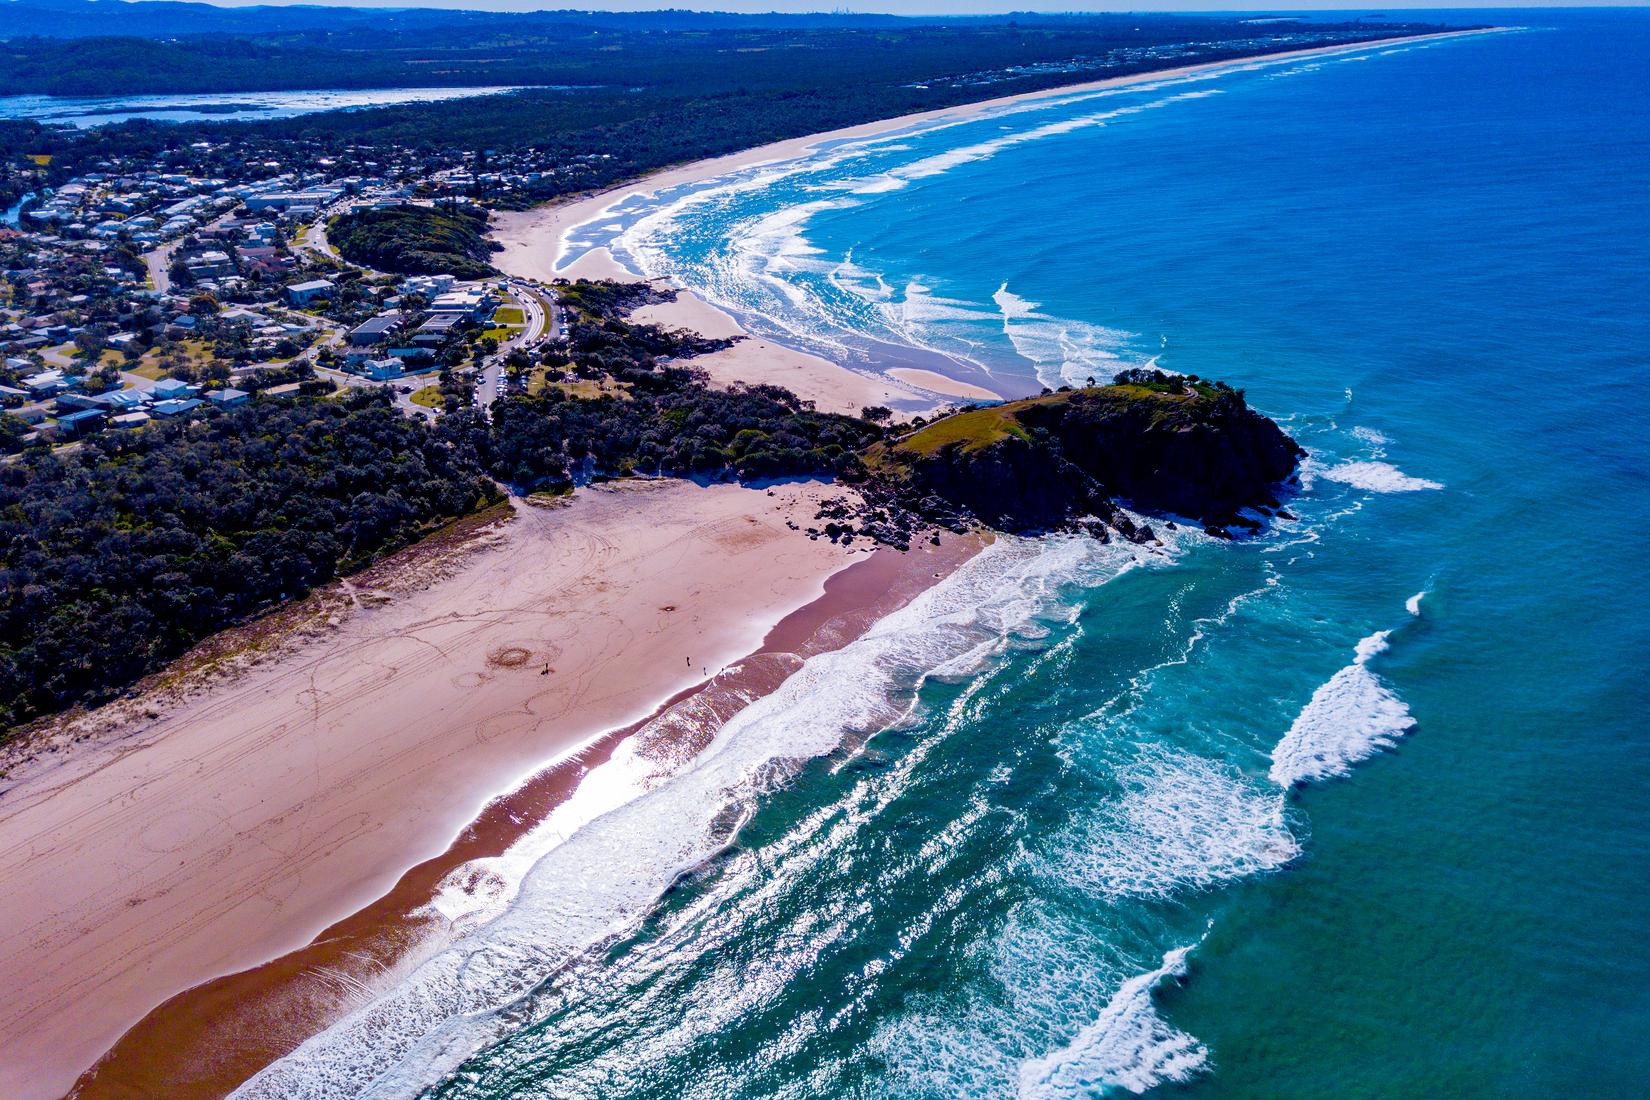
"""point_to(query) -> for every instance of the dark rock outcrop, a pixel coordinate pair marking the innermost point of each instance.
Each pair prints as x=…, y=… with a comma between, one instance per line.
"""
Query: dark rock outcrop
x=1160, y=444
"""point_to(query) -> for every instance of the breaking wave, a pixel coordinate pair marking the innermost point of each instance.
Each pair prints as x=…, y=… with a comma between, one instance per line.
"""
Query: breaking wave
x=1377, y=477
x=1350, y=718
x=601, y=878
x=1128, y=1047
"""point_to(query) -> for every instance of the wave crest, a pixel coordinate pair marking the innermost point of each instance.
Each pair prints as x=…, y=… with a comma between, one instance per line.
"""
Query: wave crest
x=1378, y=477
x=1129, y=1046
x=1350, y=718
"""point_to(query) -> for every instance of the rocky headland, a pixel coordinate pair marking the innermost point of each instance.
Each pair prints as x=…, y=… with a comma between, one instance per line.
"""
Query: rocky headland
x=1159, y=444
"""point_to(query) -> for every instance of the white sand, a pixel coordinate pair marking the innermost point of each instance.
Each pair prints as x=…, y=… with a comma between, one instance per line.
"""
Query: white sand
x=240, y=824
x=532, y=244
x=939, y=383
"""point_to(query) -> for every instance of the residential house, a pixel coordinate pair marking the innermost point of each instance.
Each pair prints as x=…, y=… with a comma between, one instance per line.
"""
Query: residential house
x=119, y=400
x=375, y=331
x=227, y=398
x=437, y=329
x=175, y=407
x=46, y=383
x=473, y=302
x=171, y=389
x=301, y=294
x=81, y=423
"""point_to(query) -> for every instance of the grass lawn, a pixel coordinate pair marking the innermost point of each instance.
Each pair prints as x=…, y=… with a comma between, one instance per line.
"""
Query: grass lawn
x=509, y=315
x=973, y=430
x=429, y=397
x=194, y=352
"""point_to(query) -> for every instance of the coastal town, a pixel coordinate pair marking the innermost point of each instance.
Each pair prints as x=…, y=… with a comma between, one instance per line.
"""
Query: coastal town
x=135, y=293
x=146, y=276
x=656, y=553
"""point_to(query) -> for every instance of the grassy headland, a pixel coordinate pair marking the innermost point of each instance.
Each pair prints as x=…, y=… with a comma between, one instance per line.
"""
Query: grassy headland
x=1159, y=442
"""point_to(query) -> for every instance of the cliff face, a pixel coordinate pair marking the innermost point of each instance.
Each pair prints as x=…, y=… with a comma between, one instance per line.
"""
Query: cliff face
x=1194, y=450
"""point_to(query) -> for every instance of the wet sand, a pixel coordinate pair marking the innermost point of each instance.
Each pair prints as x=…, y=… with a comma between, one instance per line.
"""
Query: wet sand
x=756, y=361
x=212, y=833
x=207, y=1040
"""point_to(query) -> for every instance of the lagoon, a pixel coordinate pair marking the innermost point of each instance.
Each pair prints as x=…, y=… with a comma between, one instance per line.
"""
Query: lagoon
x=84, y=112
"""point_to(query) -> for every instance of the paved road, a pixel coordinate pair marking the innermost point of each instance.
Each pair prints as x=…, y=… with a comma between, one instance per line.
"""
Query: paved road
x=542, y=321
x=313, y=237
x=159, y=263
x=159, y=260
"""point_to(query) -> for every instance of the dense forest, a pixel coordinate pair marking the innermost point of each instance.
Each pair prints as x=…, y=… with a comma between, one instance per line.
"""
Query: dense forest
x=669, y=425
x=118, y=557
x=660, y=419
x=625, y=52
x=416, y=240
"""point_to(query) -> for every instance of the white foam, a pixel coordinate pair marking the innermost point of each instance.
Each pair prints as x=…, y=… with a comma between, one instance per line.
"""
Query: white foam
x=1182, y=823
x=596, y=880
x=1413, y=604
x=1377, y=477
x=1128, y=1047
x=1350, y=718
x=1062, y=351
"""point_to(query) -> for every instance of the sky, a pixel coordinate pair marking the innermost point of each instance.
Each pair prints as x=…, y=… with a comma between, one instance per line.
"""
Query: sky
x=919, y=7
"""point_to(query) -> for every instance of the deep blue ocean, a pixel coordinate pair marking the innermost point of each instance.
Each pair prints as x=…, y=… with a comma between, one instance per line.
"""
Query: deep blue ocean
x=1356, y=808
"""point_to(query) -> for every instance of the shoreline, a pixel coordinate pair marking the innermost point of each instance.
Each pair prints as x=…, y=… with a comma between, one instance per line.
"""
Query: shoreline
x=229, y=828
x=377, y=913
x=533, y=241
x=204, y=1031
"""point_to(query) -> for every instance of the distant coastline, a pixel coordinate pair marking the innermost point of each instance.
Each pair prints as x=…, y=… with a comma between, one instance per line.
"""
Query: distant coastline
x=534, y=241
x=85, y=112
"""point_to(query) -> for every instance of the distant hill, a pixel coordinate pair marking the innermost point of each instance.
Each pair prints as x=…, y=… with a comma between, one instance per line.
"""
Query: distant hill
x=168, y=19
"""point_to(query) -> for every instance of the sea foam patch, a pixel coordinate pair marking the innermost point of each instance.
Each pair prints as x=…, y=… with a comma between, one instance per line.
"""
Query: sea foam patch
x=1181, y=823
x=1377, y=477
x=1129, y=1046
x=1349, y=718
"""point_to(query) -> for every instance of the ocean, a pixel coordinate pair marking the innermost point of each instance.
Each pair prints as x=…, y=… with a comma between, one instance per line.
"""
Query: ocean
x=1358, y=807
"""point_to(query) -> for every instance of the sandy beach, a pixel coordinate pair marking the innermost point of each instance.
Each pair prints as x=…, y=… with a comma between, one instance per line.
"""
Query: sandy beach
x=756, y=361
x=532, y=242
x=241, y=822
x=202, y=865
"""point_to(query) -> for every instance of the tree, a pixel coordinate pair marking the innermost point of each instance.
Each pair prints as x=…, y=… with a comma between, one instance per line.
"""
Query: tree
x=12, y=430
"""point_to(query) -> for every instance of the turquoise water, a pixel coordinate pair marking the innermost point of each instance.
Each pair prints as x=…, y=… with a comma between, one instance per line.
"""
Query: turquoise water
x=84, y=112
x=1357, y=808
